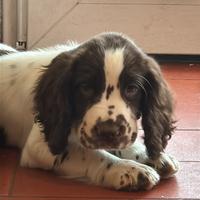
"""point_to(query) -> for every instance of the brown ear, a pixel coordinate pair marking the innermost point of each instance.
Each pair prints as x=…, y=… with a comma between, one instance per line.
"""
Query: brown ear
x=52, y=103
x=157, y=111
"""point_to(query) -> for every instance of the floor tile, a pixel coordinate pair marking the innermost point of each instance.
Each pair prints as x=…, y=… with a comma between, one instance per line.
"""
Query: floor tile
x=184, y=145
x=181, y=71
x=184, y=80
x=9, y=160
x=186, y=185
x=38, y=183
x=187, y=103
x=66, y=198
x=30, y=182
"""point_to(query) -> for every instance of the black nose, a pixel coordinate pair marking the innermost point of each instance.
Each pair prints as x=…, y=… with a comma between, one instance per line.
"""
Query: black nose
x=108, y=130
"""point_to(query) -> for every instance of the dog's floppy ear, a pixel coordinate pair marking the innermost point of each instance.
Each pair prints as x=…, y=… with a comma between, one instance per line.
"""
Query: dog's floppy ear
x=52, y=104
x=157, y=111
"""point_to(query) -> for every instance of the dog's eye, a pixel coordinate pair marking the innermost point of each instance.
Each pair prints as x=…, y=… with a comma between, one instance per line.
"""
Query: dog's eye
x=86, y=89
x=130, y=91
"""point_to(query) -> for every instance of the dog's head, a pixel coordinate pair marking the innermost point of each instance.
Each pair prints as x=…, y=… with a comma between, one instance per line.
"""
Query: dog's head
x=100, y=89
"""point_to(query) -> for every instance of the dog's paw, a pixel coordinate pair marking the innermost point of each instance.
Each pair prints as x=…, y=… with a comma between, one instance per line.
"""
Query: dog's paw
x=130, y=176
x=165, y=165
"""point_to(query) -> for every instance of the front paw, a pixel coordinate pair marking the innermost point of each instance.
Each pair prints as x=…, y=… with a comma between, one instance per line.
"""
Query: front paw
x=130, y=176
x=165, y=165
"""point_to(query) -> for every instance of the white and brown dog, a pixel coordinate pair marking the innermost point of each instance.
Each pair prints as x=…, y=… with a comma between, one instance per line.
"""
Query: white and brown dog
x=74, y=109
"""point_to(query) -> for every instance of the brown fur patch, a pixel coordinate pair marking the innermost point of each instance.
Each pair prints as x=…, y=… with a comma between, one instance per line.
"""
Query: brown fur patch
x=109, y=91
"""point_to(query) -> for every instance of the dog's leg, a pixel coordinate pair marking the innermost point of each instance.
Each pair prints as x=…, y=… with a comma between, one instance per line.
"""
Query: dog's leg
x=97, y=166
x=165, y=165
x=102, y=168
x=35, y=153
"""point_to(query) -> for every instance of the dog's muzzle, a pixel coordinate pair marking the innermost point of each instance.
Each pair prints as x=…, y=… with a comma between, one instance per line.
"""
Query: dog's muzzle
x=109, y=134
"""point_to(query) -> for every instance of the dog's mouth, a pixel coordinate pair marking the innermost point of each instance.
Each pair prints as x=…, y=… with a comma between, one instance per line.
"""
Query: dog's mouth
x=91, y=143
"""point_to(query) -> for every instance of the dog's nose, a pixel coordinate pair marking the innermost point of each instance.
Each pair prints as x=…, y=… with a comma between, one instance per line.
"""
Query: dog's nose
x=108, y=130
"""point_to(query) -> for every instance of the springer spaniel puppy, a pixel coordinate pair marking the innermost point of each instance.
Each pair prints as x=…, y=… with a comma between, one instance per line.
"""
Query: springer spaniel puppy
x=74, y=109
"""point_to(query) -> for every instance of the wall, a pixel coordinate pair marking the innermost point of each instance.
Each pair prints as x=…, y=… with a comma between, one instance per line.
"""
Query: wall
x=158, y=26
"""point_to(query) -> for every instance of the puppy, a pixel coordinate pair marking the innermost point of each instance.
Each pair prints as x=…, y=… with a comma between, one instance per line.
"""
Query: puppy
x=74, y=109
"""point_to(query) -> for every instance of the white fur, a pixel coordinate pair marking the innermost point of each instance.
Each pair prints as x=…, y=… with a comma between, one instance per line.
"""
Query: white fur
x=36, y=151
x=7, y=48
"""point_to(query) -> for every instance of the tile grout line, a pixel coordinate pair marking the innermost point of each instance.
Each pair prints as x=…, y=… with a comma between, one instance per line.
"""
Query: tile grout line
x=184, y=79
x=189, y=161
x=180, y=130
x=187, y=129
x=20, y=197
x=12, y=180
x=89, y=197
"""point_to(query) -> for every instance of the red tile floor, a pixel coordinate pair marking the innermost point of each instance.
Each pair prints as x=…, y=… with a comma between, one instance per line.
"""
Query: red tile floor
x=18, y=183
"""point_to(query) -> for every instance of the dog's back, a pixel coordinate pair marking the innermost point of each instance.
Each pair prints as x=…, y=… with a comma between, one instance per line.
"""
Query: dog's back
x=19, y=72
x=5, y=49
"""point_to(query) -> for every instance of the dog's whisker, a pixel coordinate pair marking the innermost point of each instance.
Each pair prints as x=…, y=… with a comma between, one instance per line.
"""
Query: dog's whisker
x=142, y=87
x=144, y=79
